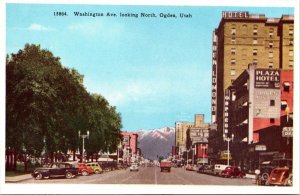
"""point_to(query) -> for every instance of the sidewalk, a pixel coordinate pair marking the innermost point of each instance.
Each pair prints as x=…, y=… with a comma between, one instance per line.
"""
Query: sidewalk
x=250, y=176
x=16, y=179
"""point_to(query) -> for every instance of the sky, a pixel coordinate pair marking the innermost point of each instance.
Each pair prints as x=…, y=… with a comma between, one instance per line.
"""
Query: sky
x=156, y=71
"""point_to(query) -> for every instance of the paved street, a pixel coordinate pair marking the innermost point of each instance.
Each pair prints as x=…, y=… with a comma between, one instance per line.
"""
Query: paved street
x=149, y=175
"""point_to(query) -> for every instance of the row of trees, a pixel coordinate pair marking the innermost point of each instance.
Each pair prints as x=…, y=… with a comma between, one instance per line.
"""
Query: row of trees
x=47, y=104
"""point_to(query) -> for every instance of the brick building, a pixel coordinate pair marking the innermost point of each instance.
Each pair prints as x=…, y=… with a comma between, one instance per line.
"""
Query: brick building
x=242, y=39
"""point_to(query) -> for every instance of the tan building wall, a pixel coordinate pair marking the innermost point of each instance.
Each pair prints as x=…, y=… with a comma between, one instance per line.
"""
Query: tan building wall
x=268, y=42
x=199, y=120
x=180, y=131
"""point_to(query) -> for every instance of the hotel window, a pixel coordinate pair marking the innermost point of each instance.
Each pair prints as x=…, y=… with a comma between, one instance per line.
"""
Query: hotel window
x=270, y=64
x=291, y=63
x=272, y=102
x=283, y=104
x=232, y=72
x=271, y=33
x=255, y=41
x=233, y=41
x=270, y=54
x=272, y=120
x=233, y=31
x=233, y=61
x=255, y=61
x=255, y=52
x=271, y=44
x=255, y=31
x=291, y=53
x=233, y=51
x=291, y=31
x=291, y=42
x=286, y=86
x=244, y=29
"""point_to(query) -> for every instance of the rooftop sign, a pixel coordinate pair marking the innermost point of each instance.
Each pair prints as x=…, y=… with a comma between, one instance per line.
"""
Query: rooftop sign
x=235, y=14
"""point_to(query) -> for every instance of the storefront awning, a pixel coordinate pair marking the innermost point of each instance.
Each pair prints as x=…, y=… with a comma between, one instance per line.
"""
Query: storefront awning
x=283, y=103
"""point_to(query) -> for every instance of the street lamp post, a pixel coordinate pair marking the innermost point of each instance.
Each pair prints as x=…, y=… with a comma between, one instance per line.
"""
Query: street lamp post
x=193, y=156
x=203, y=152
x=228, y=139
x=187, y=157
x=83, y=137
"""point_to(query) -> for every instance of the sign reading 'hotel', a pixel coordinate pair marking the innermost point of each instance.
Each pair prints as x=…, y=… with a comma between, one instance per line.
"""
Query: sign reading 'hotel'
x=267, y=78
x=235, y=14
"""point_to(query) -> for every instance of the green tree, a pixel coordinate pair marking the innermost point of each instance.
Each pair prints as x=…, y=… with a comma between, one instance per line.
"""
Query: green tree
x=47, y=104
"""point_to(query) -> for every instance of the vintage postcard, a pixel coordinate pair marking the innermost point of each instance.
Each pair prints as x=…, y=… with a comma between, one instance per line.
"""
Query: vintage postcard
x=150, y=97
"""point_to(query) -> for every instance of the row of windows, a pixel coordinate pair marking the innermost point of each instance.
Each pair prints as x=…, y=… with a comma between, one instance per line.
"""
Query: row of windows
x=255, y=30
x=255, y=52
x=255, y=42
x=271, y=65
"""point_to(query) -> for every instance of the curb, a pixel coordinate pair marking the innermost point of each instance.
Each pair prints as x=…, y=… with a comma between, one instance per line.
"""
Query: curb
x=250, y=176
x=15, y=180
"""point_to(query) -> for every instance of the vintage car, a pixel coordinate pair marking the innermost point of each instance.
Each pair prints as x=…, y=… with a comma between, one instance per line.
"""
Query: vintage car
x=134, y=167
x=67, y=170
x=95, y=167
x=280, y=177
x=232, y=171
x=189, y=167
x=84, y=170
x=208, y=169
x=266, y=168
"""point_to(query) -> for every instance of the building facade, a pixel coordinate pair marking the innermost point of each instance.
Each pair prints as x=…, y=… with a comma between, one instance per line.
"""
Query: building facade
x=242, y=38
x=260, y=115
x=180, y=136
x=129, y=146
x=241, y=107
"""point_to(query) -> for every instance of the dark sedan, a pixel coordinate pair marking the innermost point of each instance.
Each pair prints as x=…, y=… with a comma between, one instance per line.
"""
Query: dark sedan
x=232, y=171
x=54, y=170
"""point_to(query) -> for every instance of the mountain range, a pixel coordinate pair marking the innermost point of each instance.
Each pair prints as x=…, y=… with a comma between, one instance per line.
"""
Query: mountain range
x=156, y=142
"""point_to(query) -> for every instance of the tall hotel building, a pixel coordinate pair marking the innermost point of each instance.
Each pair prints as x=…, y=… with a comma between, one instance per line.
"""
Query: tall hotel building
x=242, y=39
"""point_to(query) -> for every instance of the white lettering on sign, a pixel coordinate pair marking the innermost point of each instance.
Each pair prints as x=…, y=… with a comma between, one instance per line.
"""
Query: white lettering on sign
x=267, y=78
x=226, y=109
x=235, y=14
x=287, y=132
x=214, y=79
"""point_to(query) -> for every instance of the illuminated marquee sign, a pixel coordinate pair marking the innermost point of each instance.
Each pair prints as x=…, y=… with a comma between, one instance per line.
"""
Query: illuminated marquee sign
x=235, y=14
x=267, y=78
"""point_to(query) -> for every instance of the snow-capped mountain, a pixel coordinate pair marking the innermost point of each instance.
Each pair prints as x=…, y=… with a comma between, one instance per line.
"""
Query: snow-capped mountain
x=156, y=142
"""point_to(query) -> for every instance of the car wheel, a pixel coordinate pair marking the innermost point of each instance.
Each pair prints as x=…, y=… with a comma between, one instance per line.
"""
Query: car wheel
x=39, y=176
x=265, y=176
x=84, y=173
x=69, y=175
x=290, y=181
x=97, y=171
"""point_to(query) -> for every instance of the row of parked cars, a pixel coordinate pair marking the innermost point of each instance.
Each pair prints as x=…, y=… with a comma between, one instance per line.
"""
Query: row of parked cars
x=69, y=169
x=221, y=170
